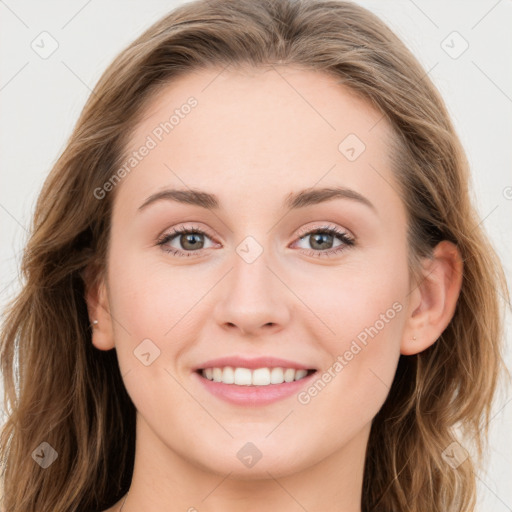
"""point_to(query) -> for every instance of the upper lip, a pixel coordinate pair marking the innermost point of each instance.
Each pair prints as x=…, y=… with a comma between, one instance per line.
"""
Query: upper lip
x=258, y=362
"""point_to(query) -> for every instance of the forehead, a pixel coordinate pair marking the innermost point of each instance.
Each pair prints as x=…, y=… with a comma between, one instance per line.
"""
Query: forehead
x=256, y=131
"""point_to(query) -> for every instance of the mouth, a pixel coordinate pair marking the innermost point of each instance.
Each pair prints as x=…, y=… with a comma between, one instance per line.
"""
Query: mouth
x=253, y=387
x=266, y=376
x=256, y=381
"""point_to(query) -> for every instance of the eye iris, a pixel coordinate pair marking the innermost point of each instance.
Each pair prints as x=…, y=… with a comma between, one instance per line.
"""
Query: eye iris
x=189, y=239
x=321, y=244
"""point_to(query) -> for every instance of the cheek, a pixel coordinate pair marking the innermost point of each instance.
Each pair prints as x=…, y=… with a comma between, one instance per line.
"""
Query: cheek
x=152, y=318
x=360, y=300
x=361, y=362
x=363, y=305
x=149, y=301
x=148, y=293
x=368, y=315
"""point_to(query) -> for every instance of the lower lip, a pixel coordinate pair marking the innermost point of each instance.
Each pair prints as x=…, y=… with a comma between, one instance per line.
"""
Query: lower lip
x=253, y=395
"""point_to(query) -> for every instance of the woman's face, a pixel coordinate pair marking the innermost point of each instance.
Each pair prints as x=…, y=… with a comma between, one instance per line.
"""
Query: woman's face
x=257, y=282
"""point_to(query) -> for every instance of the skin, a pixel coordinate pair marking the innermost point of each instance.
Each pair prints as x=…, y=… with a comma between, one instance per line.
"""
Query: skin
x=255, y=137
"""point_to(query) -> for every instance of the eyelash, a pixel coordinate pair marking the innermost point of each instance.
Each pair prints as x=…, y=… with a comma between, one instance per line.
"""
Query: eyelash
x=347, y=240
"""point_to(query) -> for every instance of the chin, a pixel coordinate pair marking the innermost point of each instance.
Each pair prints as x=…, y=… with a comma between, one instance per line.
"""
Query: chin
x=240, y=466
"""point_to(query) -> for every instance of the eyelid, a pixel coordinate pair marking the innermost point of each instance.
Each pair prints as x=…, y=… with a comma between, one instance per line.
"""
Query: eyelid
x=302, y=233
x=185, y=228
x=308, y=230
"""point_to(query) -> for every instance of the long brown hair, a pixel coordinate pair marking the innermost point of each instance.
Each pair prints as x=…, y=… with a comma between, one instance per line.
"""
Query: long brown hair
x=61, y=390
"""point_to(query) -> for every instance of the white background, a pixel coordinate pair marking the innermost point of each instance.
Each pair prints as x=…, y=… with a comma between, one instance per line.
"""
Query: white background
x=42, y=98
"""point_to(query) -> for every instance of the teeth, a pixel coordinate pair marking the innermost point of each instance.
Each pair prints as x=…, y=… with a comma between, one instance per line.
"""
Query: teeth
x=217, y=374
x=243, y=376
x=228, y=375
x=289, y=375
x=276, y=376
x=258, y=377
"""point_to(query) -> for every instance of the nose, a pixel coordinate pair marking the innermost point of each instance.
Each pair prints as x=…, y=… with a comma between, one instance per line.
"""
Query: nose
x=252, y=299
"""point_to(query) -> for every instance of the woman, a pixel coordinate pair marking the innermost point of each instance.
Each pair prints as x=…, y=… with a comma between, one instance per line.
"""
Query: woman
x=256, y=211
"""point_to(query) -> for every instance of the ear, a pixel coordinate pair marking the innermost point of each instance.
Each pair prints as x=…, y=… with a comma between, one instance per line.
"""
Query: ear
x=96, y=297
x=434, y=299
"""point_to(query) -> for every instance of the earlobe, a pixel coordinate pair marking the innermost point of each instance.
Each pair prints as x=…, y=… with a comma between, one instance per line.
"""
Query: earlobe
x=434, y=299
x=96, y=297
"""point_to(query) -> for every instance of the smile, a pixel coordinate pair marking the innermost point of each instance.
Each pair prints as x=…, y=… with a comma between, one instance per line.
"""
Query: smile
x=253, y=377
x=244, y=387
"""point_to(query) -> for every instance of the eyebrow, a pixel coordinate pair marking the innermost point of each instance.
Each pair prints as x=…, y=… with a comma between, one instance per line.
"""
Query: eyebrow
x=295, y=200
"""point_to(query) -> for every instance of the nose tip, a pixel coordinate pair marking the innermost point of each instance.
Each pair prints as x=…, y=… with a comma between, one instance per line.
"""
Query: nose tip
x=252, y=298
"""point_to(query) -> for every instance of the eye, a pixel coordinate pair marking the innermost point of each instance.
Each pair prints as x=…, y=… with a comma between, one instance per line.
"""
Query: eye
x=191, y=241
x=323, y=238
